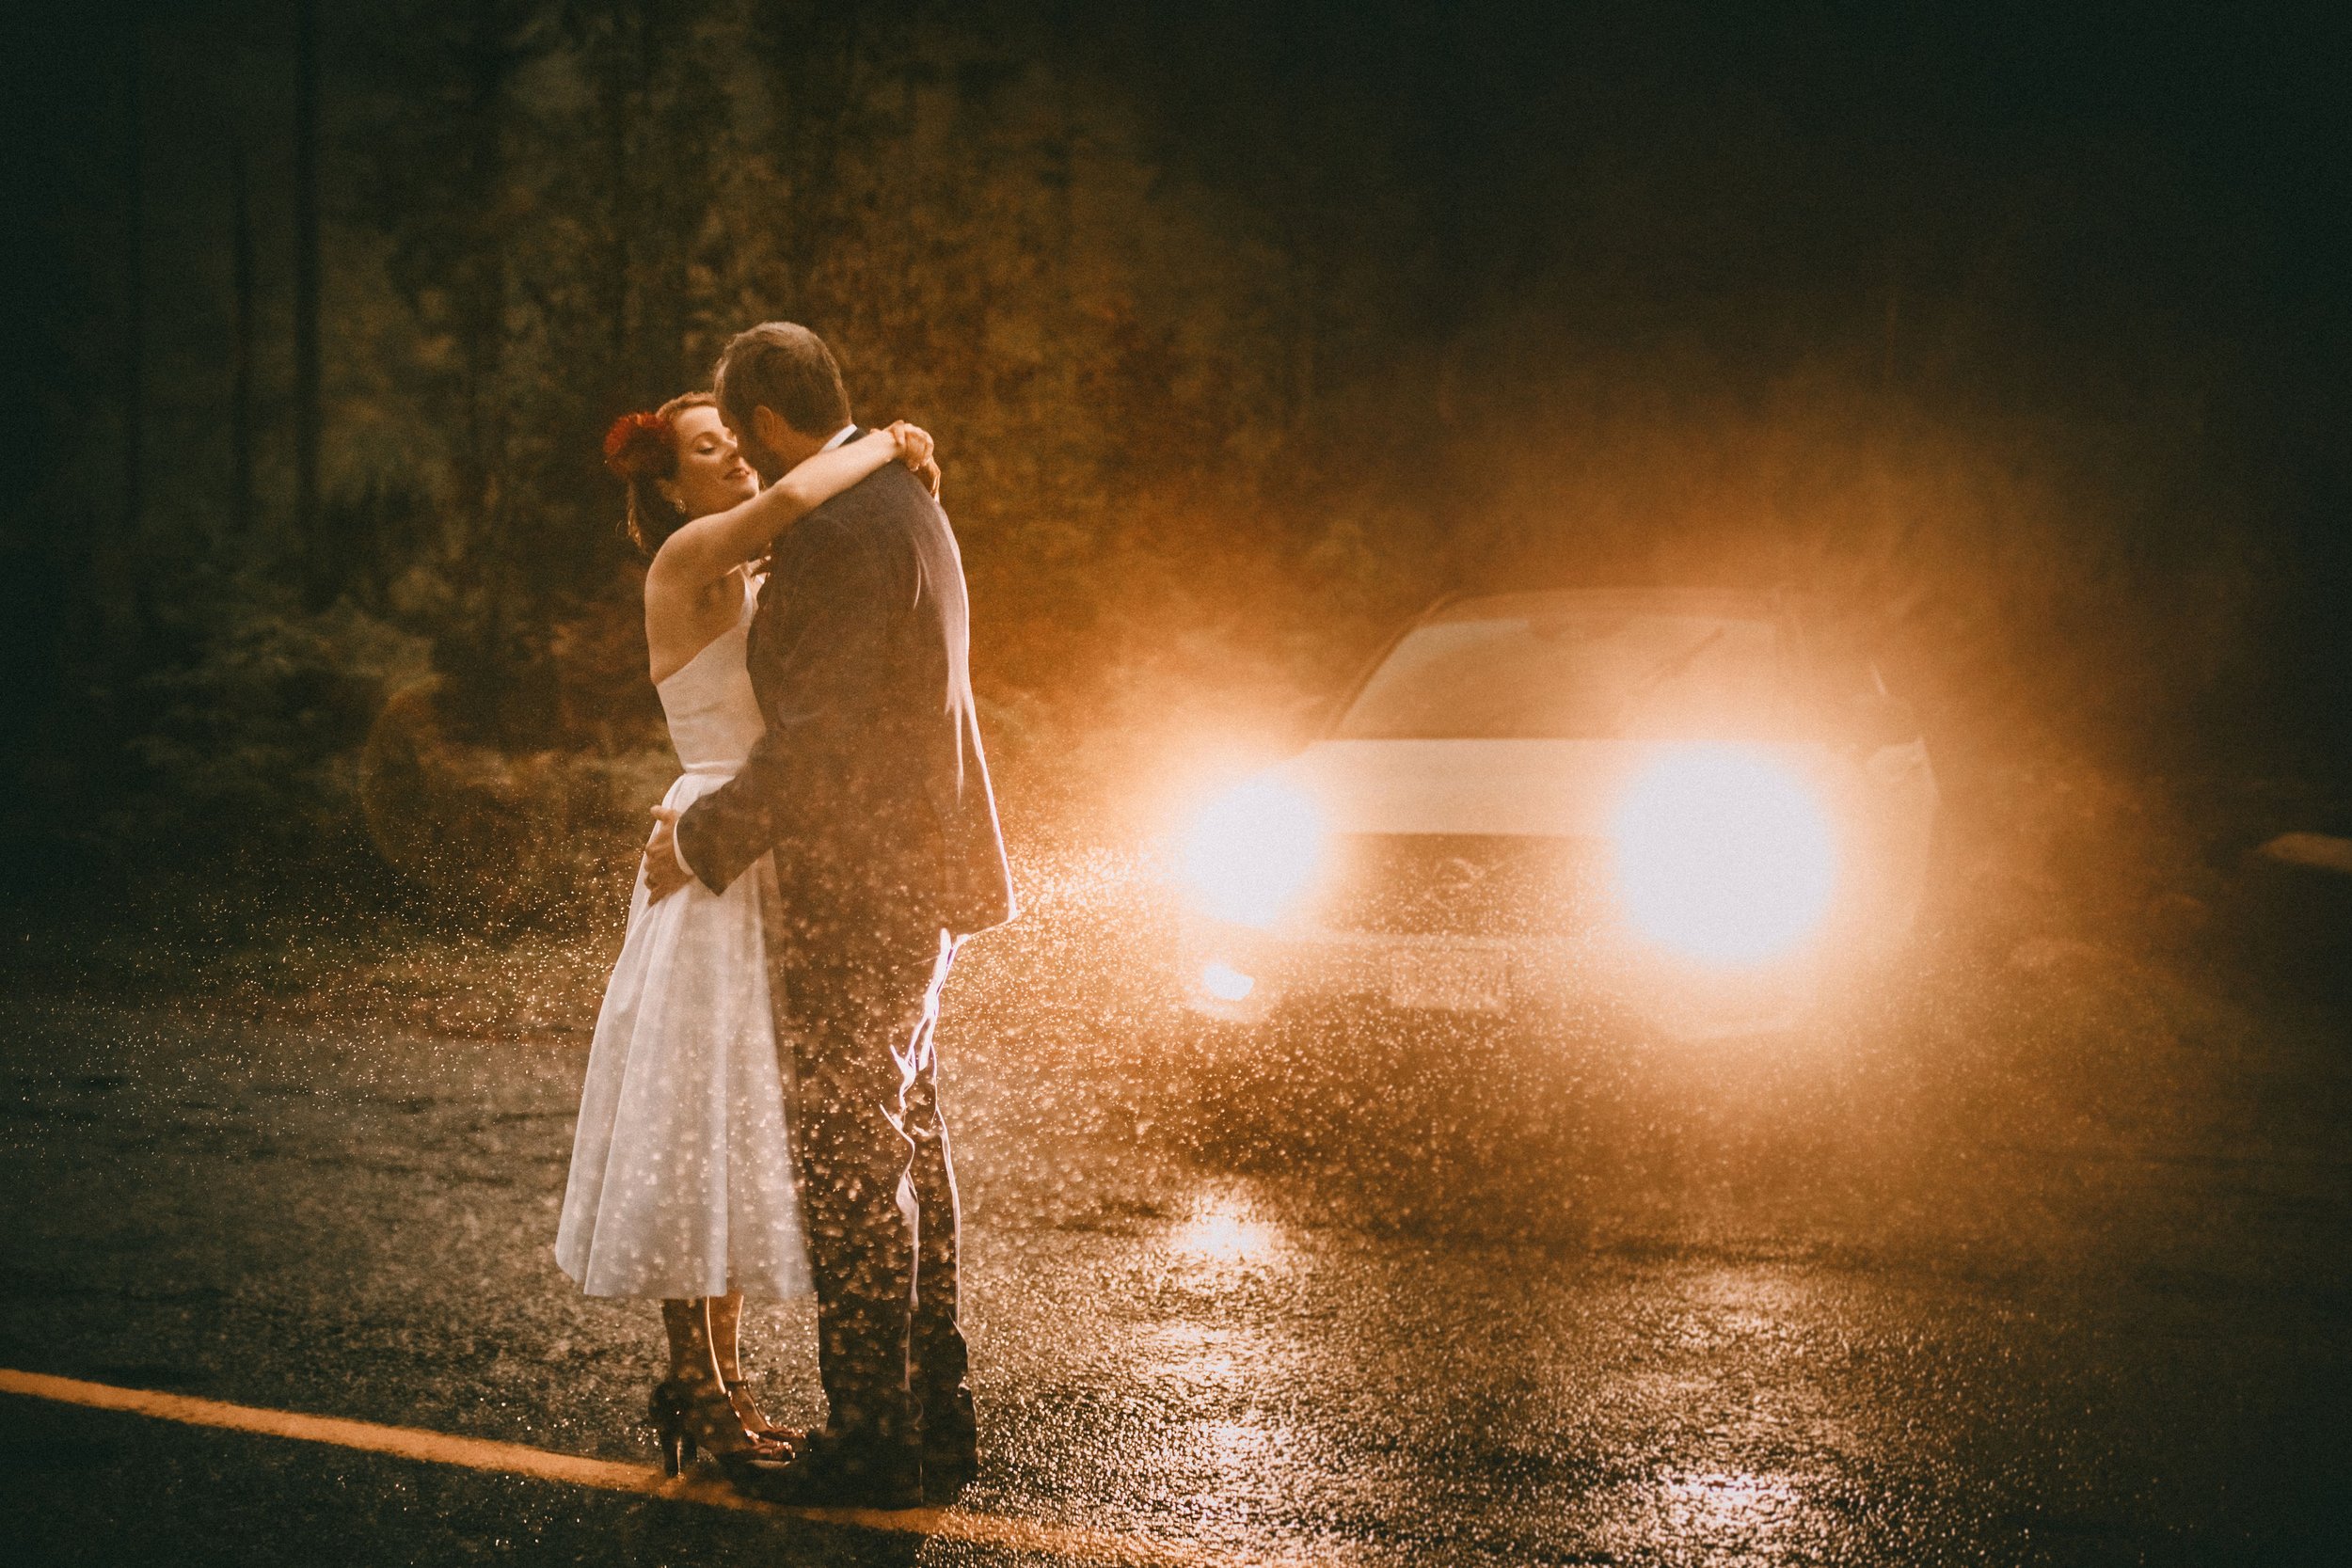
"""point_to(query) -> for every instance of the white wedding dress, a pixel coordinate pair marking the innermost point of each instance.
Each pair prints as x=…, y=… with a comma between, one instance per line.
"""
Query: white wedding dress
x=681, y=1181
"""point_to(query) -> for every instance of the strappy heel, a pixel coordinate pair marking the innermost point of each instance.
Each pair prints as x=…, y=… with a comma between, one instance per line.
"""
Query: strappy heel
x=666, y=1412
x=747, y=1411
x=689, y=1416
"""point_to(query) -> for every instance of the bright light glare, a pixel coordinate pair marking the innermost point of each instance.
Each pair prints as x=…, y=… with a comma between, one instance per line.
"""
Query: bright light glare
x=1225, y=1232
x=1226, y=983
x=1723, y=854
x=1253, y=851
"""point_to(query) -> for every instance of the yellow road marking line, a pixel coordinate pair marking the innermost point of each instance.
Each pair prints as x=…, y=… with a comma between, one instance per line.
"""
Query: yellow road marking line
x=605, y=1475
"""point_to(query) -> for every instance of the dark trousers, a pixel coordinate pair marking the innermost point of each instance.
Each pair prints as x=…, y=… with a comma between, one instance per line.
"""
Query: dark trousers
x=878, y=1191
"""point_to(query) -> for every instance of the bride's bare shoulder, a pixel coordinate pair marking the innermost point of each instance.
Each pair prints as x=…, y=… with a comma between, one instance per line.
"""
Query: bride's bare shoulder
x=681, y=621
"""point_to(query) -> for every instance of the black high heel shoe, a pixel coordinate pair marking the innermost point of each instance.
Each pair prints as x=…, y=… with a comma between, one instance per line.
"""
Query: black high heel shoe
x=688, y=1415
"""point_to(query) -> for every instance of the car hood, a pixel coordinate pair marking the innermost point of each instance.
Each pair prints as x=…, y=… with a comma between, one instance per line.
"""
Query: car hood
x=1478, y=787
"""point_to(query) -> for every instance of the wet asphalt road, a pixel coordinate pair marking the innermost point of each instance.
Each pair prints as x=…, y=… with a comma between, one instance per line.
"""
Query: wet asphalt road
x=2052, y=1265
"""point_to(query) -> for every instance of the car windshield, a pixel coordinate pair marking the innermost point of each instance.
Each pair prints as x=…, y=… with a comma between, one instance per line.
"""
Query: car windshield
x=1573, y=675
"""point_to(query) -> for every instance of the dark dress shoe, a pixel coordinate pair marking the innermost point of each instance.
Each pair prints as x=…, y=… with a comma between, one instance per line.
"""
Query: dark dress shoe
x=834, y=1470
x=951, y=1456
x=946, y=1471
x=951, y=1447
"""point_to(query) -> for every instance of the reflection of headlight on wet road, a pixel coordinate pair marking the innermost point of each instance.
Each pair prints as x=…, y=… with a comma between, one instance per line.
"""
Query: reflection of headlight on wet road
x=1253, y=851
x=1724, y=855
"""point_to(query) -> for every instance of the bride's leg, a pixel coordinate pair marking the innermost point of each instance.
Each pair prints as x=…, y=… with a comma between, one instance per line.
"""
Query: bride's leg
x=726, y=1317
x=692, y=1358
x=693, y=1407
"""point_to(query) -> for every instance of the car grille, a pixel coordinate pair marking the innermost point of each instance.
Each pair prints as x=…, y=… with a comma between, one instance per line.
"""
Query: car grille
x=1464, y=884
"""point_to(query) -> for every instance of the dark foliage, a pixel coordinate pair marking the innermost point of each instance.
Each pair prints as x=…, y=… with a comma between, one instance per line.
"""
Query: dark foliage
x=1243, y=330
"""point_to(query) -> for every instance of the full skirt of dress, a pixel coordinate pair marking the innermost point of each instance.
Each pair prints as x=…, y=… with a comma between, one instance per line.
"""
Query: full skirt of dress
x=681, y=1180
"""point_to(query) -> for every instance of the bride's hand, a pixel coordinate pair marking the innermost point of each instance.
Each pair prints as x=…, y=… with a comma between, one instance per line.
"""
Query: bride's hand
x=915, y=442
x=915, y=451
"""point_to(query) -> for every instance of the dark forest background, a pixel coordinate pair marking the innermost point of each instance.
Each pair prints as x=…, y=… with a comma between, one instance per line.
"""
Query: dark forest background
x=2018, y=333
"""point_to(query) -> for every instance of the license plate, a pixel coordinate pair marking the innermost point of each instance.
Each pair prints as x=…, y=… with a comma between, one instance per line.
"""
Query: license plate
x=1453, y=981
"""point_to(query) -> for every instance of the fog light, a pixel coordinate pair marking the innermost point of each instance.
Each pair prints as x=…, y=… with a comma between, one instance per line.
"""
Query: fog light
x=1226, y=983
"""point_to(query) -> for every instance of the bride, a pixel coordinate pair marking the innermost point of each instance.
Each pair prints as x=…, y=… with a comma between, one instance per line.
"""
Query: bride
x=681, y=1180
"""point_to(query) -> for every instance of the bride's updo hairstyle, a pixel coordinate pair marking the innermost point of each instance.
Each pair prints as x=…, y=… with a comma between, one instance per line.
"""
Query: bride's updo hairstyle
x=641, y=449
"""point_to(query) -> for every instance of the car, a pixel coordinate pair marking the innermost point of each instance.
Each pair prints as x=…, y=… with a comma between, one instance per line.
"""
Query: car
x=1689, y=809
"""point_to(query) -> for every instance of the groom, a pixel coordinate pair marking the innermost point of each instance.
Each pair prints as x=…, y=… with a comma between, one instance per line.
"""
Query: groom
x=871, y=792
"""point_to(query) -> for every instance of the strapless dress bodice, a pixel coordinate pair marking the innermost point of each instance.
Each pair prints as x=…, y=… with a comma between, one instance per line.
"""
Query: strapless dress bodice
x=713, y=713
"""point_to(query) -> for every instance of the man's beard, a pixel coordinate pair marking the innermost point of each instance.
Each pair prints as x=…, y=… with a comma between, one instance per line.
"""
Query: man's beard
x=766, y=464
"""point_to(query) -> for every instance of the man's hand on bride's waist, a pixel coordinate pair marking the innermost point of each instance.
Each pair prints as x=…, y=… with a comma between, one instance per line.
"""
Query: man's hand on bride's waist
x=664, y=872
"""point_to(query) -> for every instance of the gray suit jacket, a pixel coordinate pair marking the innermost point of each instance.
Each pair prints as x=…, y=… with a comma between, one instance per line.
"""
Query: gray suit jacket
x=870, y=786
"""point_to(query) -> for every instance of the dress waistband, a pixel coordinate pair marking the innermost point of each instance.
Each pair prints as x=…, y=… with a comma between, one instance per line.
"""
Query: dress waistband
x=713, y=769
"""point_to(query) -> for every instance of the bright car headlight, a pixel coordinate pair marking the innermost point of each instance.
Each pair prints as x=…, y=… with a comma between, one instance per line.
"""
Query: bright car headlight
x=1252, y=852
x=1723, y=854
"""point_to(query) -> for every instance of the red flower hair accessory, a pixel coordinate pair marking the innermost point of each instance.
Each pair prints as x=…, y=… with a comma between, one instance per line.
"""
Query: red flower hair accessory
x=640, y=444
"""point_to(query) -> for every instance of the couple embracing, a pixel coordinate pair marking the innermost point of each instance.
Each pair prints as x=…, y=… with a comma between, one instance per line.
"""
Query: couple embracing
x=761, y=1107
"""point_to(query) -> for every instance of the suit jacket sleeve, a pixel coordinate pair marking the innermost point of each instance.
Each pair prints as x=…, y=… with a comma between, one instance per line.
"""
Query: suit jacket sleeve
x=820, y=650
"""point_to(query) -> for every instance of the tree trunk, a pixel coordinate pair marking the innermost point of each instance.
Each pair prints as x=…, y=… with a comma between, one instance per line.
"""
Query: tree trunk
x=240, y=351
x=313, y=549
x=620, y=211
x=659, y=242
x=134, y=313
x=480, y=295
x=642, y=364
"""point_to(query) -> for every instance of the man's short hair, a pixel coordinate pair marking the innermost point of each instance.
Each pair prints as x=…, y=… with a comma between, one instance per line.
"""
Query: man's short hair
x=783, y=366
